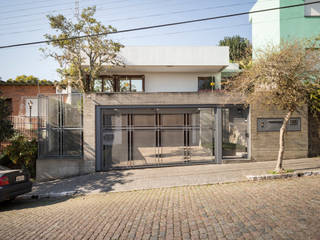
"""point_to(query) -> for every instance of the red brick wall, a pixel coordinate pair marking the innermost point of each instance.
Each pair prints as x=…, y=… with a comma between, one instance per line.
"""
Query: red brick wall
x=18, y=93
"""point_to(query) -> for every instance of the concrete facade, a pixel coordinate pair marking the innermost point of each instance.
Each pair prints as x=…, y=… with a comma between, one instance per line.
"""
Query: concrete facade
x=265, y=145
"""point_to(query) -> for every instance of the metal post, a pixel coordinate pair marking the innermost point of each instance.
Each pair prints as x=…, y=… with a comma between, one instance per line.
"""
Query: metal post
x=218, y=135
x=30, y=109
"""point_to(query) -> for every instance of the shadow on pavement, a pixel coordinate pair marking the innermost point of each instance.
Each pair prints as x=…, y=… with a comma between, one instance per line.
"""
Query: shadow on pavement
x=30, y=203
x=95, y=182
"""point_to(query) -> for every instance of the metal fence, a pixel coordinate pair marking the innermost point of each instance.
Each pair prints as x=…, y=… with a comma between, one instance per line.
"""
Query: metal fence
x=27, y=126
x=60, y=125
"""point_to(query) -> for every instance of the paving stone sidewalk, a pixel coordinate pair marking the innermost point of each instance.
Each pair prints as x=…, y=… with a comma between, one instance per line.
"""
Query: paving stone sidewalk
x=137, y=179
x=276, y=209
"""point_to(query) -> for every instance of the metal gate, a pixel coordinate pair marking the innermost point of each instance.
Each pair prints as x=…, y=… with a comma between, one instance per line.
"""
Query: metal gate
x=156, y=136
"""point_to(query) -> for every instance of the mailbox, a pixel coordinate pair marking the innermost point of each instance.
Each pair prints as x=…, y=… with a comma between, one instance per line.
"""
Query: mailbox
x=274, y=124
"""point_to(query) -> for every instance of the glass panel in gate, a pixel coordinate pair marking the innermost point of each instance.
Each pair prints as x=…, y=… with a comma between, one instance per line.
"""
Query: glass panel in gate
x=202, y=135
x=235, y=132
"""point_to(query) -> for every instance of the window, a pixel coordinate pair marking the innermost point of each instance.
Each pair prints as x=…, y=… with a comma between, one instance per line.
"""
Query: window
x=8, y=102
x=206, y=83
x=312, y=10
x=31, y=107
x=120, y=83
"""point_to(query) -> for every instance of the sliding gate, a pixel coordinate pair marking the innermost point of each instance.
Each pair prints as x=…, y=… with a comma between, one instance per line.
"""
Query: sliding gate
x=133, y=137
x=155, y=136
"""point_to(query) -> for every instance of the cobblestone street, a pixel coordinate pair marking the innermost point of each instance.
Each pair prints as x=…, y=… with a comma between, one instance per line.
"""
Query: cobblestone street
x=278, y=209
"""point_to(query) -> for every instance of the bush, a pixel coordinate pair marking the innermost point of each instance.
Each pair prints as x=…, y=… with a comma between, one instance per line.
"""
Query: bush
x=23, y=152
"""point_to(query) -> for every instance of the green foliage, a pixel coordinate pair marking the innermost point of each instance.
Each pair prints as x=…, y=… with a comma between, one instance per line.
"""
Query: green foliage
x=27, y=80
x=23, y=153
x=240, y=49
x=6, y=128
x=281, y=172
x=82, y=59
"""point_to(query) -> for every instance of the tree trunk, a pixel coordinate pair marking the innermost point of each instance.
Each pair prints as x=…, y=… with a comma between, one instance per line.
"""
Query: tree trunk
x=281, y=142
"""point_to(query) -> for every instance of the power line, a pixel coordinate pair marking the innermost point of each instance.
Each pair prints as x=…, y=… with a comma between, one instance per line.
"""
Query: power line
x=141, y=17
x=161, y=25
x=190, y=31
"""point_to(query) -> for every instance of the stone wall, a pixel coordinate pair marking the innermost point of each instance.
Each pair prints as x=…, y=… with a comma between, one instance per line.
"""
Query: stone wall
x=265, y=145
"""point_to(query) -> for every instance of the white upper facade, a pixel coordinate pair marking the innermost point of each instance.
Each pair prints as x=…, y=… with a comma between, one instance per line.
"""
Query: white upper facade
x=174, y=58
x=171, y=68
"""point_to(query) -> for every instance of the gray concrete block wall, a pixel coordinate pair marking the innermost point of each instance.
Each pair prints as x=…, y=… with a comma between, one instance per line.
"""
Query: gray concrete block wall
x=89, y=135
x=50, y=169
x=265, y=145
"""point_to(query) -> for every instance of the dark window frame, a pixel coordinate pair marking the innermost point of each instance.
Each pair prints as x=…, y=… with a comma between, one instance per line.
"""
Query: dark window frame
x=212, y=79
x=116, y=81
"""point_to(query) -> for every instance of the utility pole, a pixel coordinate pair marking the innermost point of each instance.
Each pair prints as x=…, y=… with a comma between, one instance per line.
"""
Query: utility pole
x=76, y=10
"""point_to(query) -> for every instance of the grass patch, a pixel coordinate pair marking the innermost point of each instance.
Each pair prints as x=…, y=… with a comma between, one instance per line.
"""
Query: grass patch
x=282, y=172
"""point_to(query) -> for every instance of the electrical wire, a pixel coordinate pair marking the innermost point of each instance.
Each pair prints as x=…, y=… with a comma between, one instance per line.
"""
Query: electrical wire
x=161, y=25
x=146, y=16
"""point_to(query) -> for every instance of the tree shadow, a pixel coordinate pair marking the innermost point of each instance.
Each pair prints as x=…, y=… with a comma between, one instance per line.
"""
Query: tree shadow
x=90, y=183
x=20, y=204
x=52, y=192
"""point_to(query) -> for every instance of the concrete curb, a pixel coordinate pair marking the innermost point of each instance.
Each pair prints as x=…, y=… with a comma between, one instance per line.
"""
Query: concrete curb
x=48, y=195
x=281, y=176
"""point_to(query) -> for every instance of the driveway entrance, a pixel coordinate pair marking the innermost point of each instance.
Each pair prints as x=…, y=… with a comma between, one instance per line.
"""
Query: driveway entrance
x=152, y=136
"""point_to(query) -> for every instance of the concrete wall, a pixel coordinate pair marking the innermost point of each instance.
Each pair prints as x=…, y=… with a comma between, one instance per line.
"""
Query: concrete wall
x=265, y=145
x=49, y=169
x=118, y=99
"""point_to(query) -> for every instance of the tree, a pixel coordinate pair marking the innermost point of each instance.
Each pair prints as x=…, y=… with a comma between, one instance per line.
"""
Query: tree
x=81, y=60
x=286, y=77
x=240, y=49
x=6, y=128
x=27, y=80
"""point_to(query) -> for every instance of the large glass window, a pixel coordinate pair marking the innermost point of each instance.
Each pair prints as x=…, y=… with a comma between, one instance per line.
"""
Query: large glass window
x=60, y=125
x=119, y=83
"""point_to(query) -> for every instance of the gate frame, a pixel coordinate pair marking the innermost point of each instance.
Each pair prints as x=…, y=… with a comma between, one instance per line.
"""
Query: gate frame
x=217, y=133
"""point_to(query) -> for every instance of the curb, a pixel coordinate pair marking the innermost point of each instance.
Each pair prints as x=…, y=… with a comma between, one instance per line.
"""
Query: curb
x=48, y=195
x=281, y=176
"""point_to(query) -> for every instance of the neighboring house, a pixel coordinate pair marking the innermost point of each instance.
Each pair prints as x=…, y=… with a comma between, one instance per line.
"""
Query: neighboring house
x=284, y=24
x=288, y=24
x=161, y=109
x=23, y=101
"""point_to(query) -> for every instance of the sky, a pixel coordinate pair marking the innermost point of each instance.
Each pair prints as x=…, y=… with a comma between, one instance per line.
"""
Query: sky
x=25, y=21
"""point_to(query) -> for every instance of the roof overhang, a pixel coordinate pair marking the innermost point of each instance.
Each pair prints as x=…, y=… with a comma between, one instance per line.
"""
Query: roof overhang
x=206, y=59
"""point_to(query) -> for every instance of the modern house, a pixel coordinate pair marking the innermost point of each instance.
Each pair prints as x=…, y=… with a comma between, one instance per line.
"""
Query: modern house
x=283, y=24
x=165, y=107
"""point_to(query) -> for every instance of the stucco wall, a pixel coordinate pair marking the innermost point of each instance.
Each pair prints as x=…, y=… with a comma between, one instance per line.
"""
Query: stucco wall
x=265, y=145
x=294, y=24
x=265, y=25
x=174, y=82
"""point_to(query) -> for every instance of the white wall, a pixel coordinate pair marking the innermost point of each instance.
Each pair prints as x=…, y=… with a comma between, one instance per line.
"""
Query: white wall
x=174, y=82
x=175, y=55
x=265, y=25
